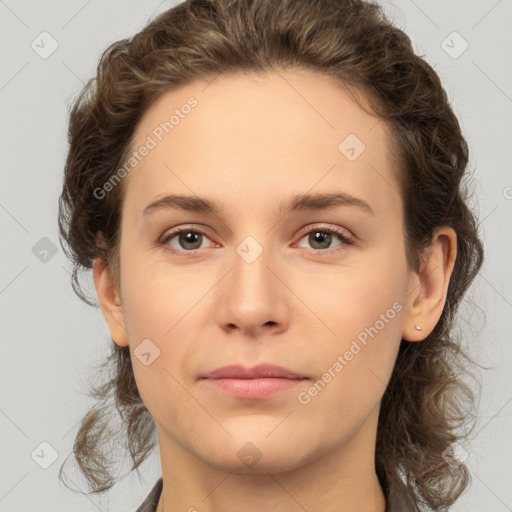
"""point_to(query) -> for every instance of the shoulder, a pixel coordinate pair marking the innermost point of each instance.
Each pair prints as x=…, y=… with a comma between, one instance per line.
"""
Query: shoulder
x=151, y=501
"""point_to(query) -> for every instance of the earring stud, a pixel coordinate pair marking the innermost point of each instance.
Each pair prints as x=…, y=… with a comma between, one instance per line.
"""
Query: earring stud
x=417, y=327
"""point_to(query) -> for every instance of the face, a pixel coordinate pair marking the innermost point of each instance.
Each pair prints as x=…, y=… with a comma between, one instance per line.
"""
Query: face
x=275, y=275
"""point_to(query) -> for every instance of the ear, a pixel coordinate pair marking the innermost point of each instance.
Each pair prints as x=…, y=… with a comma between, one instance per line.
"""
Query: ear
x=428, y=288
x=110, y=302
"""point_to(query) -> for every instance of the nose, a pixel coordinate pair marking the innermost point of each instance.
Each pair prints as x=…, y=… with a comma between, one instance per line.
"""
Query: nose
x=252, y=298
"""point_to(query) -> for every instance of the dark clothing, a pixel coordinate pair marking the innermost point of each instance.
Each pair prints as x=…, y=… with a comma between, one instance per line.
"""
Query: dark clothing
x=151, y=501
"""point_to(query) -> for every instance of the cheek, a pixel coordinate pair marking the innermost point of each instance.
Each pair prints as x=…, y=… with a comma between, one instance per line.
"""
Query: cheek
x=346, y=300
x=362, y=317
x=158, y=306
x=156, y=296
x=356, y=370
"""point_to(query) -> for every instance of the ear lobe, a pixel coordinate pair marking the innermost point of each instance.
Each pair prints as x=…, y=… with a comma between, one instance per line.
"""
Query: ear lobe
x=110, y=301
x=429, y=287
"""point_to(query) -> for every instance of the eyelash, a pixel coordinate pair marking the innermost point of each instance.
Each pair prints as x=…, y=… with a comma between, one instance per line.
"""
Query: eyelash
x=346, y=240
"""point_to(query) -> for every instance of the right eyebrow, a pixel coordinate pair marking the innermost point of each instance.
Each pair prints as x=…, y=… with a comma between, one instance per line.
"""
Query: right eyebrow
x=182, y=202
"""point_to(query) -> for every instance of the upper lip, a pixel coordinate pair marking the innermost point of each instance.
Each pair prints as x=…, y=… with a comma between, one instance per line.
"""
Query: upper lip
x=256, y=372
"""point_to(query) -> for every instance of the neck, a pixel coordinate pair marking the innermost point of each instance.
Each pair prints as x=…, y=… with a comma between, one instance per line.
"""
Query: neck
x=342, y=480
x=372, y=501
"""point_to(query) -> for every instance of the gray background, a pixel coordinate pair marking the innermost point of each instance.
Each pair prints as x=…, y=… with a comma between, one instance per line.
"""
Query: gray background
x=51, y=341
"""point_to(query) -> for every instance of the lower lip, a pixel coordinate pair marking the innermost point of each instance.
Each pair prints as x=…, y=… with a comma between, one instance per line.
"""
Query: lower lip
x=253, y=388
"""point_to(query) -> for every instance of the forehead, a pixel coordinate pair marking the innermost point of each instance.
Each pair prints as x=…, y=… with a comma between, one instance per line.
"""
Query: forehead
x=292, y=131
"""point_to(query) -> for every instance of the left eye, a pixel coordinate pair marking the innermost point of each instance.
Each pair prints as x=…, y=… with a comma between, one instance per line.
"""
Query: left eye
x=322, y=237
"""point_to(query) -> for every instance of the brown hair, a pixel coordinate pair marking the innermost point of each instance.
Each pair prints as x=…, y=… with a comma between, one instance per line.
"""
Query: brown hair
x=427, y=402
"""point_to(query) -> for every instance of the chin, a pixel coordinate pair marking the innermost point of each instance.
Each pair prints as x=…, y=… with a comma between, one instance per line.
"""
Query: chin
x=255, y=455
x=268, y=464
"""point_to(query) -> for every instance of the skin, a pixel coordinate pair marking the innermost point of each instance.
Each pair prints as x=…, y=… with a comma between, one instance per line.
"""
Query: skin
x=300, y=304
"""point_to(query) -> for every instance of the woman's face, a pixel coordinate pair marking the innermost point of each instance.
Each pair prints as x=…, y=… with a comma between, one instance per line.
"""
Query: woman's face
x=284, y=158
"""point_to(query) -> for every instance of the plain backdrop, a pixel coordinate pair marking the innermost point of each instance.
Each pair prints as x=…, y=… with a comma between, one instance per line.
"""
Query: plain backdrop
x=50, y=340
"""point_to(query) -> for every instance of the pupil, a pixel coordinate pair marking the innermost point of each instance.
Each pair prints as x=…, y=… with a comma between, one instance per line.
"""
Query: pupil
x=325, y=236
x=191, y=238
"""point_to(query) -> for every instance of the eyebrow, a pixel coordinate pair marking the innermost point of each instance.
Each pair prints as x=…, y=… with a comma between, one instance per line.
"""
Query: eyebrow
x=300, y=202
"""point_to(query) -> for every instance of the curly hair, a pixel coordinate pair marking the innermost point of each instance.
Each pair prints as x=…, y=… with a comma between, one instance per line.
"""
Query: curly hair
x=428, y=404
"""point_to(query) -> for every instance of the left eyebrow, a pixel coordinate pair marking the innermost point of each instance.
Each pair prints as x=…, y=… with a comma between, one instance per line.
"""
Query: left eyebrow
x=300, y=202
x=323, y=201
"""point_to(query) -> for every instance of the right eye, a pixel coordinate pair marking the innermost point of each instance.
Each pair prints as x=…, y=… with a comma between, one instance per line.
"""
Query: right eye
x=188, y=240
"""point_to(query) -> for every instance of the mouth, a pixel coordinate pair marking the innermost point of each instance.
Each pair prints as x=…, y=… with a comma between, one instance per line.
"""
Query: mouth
x=258, y=382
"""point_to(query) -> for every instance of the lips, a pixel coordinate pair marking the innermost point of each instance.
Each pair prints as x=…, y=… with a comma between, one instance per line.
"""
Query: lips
x=257, y=383
x=257, y=372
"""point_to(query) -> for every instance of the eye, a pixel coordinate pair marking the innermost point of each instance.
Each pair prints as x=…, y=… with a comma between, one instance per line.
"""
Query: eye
x=320, y=238
x=188, y=240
